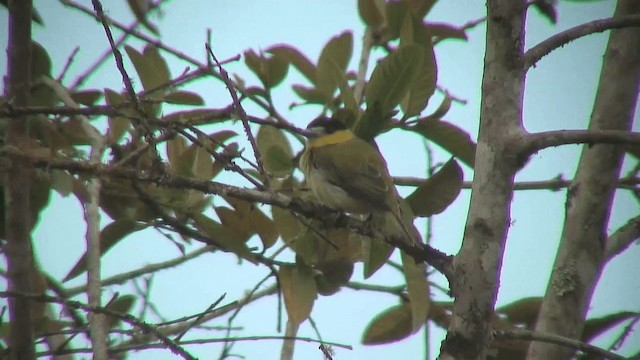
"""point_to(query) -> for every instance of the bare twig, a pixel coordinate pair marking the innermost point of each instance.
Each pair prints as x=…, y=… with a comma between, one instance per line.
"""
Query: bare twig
x=92, y=218
x=148, y=269
x=67, y=65
x=131, y=320
x=243, y=117
x=555, y=184
x=533, y=55
x=367, y=45
x=622, y=238
x=543, y=140
x=522, y=334
x=16, y=182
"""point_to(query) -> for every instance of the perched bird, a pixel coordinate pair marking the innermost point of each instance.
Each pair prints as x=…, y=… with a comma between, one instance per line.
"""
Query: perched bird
x=349, y=174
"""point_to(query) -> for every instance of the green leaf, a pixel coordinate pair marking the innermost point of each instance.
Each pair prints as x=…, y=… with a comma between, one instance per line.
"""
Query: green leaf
x=289, y=227
x=395, y=12
x=275, y=151
x=198, y=116
x=437, y=192
x=310, y=95
x=375, y=253
x=270, y=71
x=299, y=291
x=547, y=8
x=371, y=12
x=522, y=311
x=393, y=77
x=595, y=327
x=445, y=31
x=448, y=136
x=332, y=275
x=391, y=325
x=415, y=275
x=153, y=72
x=371, y=123
x=123, y=305
x=175, y=147
x=118, y=125
x=228, y=239
x=420, y=8
x=150, y=66
x=109, y=237
x=86, y=97
x=62, y=182
x=182, y=97
x=40, y=61
x=424, y=85
x=333, y=63
x=140, y=9
x=295, y=58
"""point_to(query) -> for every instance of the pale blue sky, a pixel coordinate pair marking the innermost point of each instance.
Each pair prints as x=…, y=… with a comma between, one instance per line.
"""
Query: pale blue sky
x=560, y=91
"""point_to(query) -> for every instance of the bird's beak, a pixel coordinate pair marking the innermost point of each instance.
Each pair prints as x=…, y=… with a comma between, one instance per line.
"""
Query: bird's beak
x=314, y=132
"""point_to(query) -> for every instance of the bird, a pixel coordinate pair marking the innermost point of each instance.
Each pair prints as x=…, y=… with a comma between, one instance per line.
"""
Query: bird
x=349, y=174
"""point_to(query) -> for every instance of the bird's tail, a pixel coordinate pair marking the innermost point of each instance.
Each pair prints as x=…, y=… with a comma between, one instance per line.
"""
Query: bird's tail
x=391, y=222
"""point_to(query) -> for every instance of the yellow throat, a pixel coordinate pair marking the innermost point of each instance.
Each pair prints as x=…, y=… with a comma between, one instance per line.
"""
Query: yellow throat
x=337, y=137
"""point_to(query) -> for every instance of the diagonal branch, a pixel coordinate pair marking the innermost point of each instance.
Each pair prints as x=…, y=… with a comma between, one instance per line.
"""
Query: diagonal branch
x=543, y=140
x=533, y=55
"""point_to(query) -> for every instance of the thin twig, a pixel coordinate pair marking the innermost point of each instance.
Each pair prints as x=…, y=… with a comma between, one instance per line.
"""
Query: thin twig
x=243, y=116
x=148, y=269
x=67, y=65
x=131, y=320
x=522, y=334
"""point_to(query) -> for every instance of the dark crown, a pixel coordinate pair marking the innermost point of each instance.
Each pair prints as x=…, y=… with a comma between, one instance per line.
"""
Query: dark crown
x=330, y=125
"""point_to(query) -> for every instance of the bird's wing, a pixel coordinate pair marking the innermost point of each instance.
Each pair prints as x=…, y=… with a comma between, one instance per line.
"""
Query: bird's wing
x=368, y=179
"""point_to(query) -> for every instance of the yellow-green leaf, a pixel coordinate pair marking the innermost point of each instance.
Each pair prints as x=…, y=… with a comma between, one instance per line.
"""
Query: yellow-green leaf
x=334, y=59
x=109, y=237
x=437, y=192
x=310, y=95
x=86, y=97
x=445, y=31
x=182, y=97
x=375, y=254
x=295, y=58
x=226, y=237
x=420, y=8
x=424, y=84
x=448, y=136
x=522, y=311
x=391, y=325
x=123, y=305
x=299, y=291
x=198, y=116
x=393, y=77
x=371, y=12
x=118, y=125
x=415, y=275
x=275, y=151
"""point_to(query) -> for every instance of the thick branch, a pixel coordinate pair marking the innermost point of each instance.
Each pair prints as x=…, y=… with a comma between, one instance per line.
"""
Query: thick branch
x=580, y=257
x=478, y=264
x=18, y=218
x=431, y=256
x=533, y=55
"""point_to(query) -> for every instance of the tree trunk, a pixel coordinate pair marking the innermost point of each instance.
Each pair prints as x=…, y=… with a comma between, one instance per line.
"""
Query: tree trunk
x=17, y=180
x=589, y=199
x=477, y=266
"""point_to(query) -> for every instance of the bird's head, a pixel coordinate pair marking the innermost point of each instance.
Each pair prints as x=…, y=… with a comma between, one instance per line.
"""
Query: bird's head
x=323, y=125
